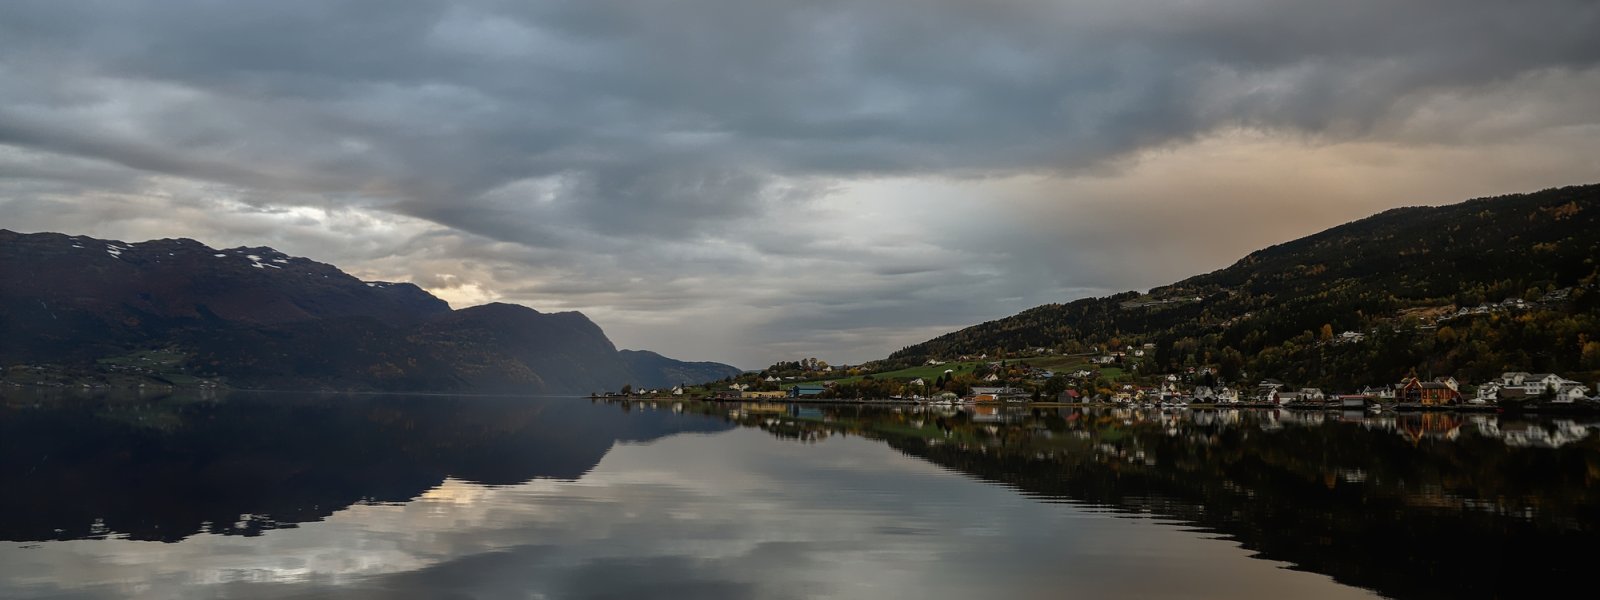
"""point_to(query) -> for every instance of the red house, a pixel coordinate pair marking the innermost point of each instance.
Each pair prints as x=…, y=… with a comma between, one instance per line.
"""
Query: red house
x=1426, y=393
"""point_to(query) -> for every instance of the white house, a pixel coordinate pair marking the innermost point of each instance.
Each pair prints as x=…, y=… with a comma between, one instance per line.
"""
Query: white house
x=1267, y=390
x=1534, y=384
x=1512, y=378
x=677, y=390
x=1487, y=393
x=1572, y=393
x=918, y=382
x=991, y=377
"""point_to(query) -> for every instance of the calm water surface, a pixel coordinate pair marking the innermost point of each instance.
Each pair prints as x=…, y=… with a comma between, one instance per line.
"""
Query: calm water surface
x=437, y=497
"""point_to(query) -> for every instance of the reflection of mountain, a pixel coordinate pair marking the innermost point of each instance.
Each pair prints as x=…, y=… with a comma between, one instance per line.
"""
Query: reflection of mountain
x=1405, y=508
x=164, y=472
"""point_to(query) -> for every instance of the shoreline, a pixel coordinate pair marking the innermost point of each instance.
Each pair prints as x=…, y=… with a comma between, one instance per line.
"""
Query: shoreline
x=1387, y=409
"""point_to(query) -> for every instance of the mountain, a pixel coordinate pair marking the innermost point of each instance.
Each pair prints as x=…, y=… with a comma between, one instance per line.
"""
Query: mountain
x=666, y=372
x=1405, y=281
x=177, y=310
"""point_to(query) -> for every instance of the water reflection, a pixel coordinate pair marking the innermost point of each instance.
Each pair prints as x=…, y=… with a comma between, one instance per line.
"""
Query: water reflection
x=168, y=470
x=1419, y=505
x=451, y=497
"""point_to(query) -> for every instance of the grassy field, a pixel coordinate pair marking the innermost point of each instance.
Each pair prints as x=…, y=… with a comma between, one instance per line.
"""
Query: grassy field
x=931, y=372
x=1058, y=363
x=927, y=372
x=165, y=365
x=155, y=360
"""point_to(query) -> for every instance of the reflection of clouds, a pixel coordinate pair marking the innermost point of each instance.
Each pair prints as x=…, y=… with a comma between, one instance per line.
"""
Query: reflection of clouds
x=728, y=515
x=455, y=492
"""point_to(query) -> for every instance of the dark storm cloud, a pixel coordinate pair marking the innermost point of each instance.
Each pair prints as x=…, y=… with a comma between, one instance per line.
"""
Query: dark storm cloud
x=714, y=142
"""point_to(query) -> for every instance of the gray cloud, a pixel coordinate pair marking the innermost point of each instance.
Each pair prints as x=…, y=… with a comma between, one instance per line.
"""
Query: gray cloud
x=793, y=171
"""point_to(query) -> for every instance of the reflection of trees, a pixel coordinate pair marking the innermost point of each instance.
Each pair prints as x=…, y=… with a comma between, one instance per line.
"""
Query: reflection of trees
x=1419, y=506
x=165, y=471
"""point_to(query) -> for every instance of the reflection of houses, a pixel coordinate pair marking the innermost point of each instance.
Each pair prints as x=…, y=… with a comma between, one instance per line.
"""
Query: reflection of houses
x=1434, y=425
x=805, y=412
x=765, y=408
x=1427, y=393
x=1554, y=435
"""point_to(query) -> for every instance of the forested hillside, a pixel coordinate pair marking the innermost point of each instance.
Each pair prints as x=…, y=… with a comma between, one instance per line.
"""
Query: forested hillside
x=1409, y=285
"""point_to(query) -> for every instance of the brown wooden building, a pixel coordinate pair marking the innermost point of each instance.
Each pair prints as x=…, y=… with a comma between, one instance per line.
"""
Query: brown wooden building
x=1426, y=393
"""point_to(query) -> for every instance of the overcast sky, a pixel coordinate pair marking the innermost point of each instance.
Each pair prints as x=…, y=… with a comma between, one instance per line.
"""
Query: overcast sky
x=752, y=181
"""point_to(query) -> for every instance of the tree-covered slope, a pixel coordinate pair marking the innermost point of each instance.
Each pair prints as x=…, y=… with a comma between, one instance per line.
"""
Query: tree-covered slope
x=1398, y=278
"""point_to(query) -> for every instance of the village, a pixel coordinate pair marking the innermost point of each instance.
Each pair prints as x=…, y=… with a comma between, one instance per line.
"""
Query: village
x=977, y=380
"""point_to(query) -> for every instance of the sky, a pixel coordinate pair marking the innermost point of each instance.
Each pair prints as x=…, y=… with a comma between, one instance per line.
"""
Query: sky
x=749, y=182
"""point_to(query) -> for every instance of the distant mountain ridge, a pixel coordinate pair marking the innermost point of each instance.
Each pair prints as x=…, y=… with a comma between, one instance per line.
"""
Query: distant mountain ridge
x=1399, y=279
x=259, y=318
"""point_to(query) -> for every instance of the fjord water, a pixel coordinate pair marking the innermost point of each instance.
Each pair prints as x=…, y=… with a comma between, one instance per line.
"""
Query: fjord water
x=433, y=497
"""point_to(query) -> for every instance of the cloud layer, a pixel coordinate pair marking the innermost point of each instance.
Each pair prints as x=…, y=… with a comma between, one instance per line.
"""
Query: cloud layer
x=747, y=182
